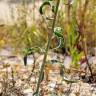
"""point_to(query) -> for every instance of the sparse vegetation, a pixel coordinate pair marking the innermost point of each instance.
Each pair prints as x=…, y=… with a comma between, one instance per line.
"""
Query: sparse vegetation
x=59, y=32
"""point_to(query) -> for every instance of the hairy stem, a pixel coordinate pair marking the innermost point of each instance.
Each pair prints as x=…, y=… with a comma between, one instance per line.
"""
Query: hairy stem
x=47, y=48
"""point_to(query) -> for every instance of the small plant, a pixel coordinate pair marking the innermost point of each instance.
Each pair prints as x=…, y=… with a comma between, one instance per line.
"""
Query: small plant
x=49, y=41
x=70, y=42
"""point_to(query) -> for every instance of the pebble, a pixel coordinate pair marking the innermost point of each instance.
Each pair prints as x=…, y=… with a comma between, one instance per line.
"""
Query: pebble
x=67, y=62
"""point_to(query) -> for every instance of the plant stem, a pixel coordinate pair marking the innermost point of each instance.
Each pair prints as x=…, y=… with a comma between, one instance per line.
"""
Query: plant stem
x=81, y=30
x=68, y=11
x=46, y=51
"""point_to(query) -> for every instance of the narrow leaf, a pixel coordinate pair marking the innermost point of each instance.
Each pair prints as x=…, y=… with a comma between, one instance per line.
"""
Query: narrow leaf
x=42, y=77
x=25, y=60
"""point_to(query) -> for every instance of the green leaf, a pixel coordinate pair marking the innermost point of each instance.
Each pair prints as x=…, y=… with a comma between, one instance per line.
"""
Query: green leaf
x=58, y=32
x=28, y=51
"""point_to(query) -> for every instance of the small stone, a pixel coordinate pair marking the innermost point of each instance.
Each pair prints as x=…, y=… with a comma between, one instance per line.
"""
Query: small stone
x=29, y=94
x=67, y=62
x=52, y=85
x=28, y=90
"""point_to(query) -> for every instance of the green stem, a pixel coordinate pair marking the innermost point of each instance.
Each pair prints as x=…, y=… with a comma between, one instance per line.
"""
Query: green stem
x=46, y=51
